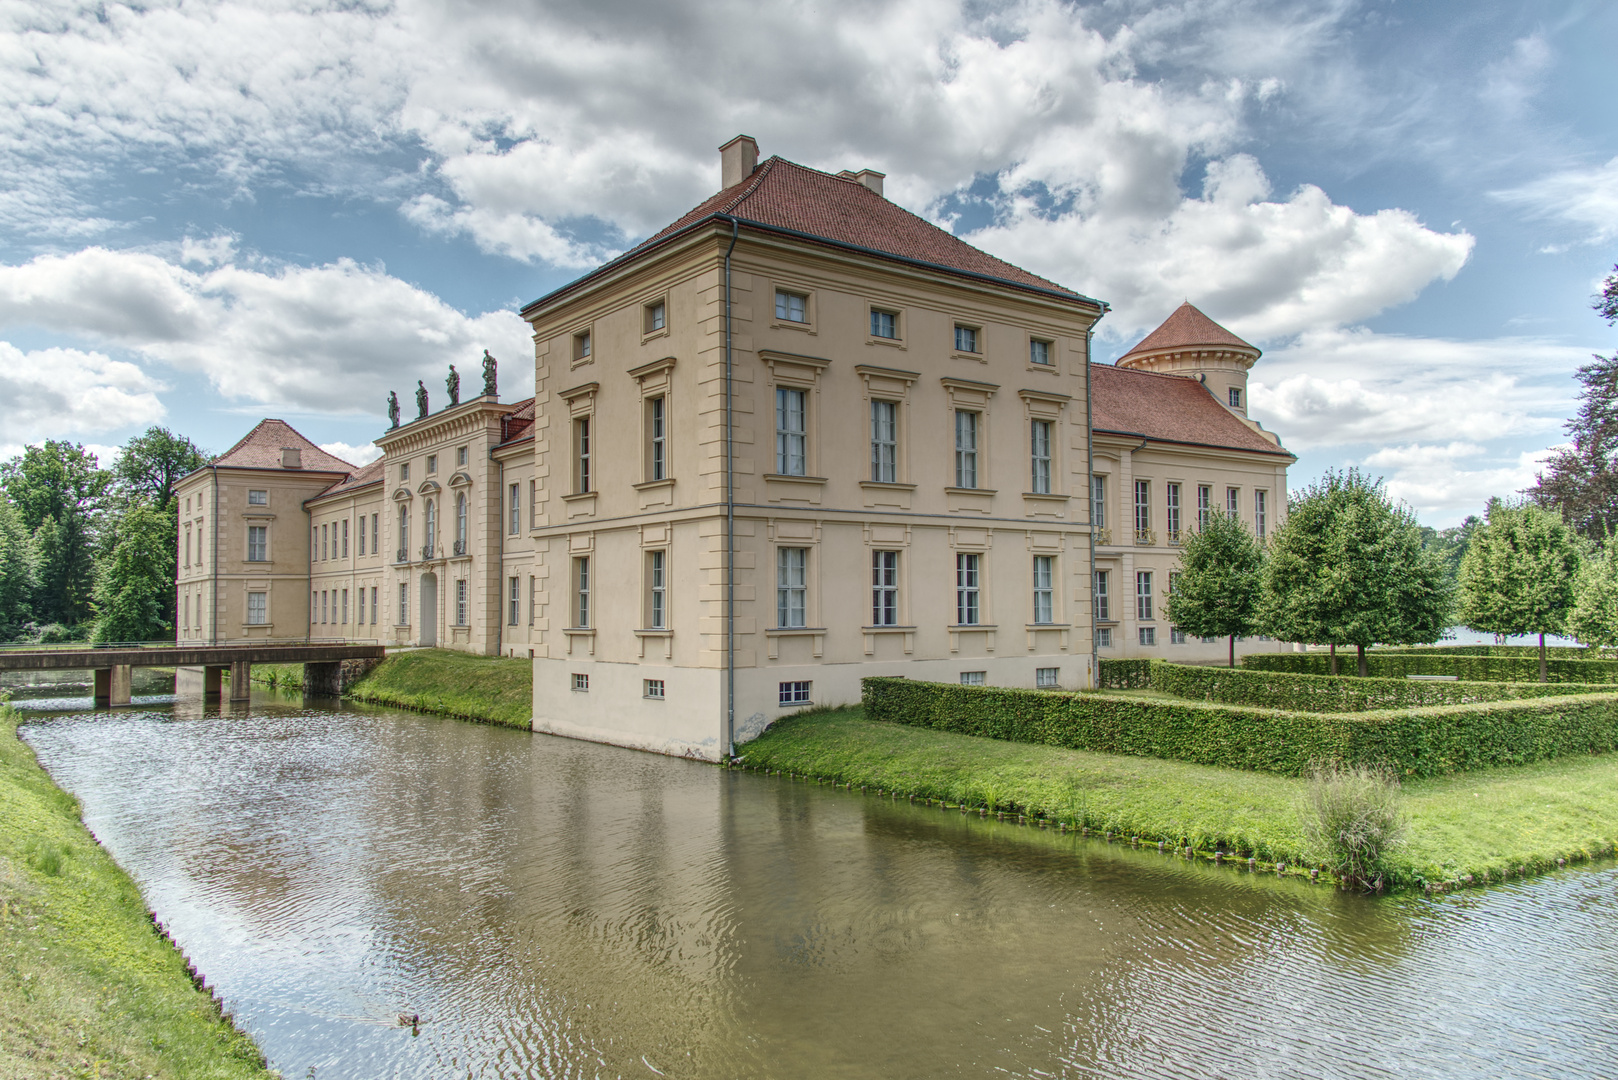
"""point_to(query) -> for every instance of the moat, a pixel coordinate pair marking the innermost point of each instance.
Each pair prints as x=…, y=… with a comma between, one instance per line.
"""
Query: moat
x=550, y=908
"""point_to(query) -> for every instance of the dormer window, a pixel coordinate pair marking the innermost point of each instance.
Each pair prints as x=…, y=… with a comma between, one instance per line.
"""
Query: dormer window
x=1235, y=397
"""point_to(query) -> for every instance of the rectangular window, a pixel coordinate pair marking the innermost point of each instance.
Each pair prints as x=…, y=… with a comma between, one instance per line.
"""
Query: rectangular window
x=1045, y=678
x=1104, y=637
x=1148, y=635
x=361, y=535
x=376, y=534
x=656, y=317
x=1176, y=636
x=656, y=590
x=513, y=601
x=1233, y=501
x=404, y=472
x=791, y=307
x=1098, y=501
x=581, y=455
x=323, y=618
x=258, y=498
x=1235, y=397
x=581, y=346
x=966, y=339
x=884, y=588
x=1171, y=515
x=344, y=619
x=460, y=602
x=1261, y=513
x=974, y=678
x=258, y=609
x=791, y=431
x=966, y=449
x=794, y=693
x=1044, y=589
x=791, y=586
x=884, y=324
x=185, y=613
x=1039, y=442
x=1103, y=610
x=514, y=517
x=581, y=591
x=324, y=541
x=1039, y=352
x=404, y=603
x=1143, y=594
x=345, y=538
x=885, y=442
x=432, y=464
x=1204, y=505
x=373, y=604
x=581, y=682
x=657, y=440
x=652, y=688
x=1143, y=511
x=188, y=545
x=258, y=544
x=967, y=583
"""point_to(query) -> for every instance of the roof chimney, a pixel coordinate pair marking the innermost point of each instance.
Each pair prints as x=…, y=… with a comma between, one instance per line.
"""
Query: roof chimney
x=871, y=179
x=737, y=160
x=291, y=457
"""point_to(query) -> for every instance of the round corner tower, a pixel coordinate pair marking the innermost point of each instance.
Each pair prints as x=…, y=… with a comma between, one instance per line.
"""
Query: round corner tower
x=1191, y=344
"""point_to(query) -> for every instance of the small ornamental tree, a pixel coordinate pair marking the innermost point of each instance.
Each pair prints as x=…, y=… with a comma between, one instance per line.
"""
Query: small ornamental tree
x=1518, y=574
x=1594, y=618
x=1215, y=592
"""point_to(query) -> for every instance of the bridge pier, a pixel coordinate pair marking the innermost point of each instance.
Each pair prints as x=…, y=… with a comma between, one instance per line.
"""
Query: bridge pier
x=112, y=685
x=241, y=680
x=325, y=680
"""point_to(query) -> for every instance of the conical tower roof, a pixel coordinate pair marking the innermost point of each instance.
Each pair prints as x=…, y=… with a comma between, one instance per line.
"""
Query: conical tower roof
x=1186, y=329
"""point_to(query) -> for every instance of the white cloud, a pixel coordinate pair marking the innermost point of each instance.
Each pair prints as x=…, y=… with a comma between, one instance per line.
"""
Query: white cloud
x=65, y=393
x=354, y=455
x=332, y=338
x=1459, y=478
x=1586, y=199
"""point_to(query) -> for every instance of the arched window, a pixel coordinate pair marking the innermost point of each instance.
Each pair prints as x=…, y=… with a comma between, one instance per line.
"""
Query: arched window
x=460, y=523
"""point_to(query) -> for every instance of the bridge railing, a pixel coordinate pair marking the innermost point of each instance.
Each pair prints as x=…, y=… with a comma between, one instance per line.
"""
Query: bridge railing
x=75, y=646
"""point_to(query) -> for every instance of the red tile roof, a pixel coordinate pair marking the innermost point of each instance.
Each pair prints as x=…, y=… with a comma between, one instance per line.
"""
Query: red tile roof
x=1168, y=408
x=518, y=424
x=1185, y=329
x=261, y=449
x=784, y=195
x=367, y=475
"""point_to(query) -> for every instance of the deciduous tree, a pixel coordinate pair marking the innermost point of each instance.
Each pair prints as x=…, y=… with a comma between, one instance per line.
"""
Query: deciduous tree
x=135, y=582
x=1518, y=574
x=17, y=574
x=150, y=464
x=1215, y=593
x=1594, y=618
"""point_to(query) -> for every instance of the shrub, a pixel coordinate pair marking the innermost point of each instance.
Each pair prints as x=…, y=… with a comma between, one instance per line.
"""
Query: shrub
x=1125, y=674
x=1415, y=742
x=1565, y=652
x=1352, y=820
x=1397, y=665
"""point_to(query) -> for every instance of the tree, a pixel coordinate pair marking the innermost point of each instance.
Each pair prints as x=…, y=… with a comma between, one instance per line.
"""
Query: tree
x=150, y=464
x=1518, y=574
x=1215, y=593
x=1594, y=618
x=1348, y=567
x=1450, y=544
x=135, y=584
x=17, y=574
x=59, y=493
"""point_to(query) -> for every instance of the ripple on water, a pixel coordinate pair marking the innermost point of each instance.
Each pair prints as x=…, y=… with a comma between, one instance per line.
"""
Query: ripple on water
x=560, y=909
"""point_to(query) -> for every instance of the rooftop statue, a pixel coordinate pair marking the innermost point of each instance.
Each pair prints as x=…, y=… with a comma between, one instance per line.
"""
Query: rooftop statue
x=454, y=384
x=421, y=400
x=393, y=408
x=491, y=368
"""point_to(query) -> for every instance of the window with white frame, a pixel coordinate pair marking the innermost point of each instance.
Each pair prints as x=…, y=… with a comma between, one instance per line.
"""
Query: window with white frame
x=652, y=688
x=791, y=307
x=791, y=586
x=1261, y=513
x=258, y=543
x=581, y=345
x=1233, y=501
x=460, y=523
x=258, y=498
x=794, y=693
x=361, y=536
x=345, y=538
x=1147, y=635
x=1044, y=589
x=967, y=588
x=1098, y=501
x=966, y=448
x=1039, y=352
x=1143, y=511
x=429, y=522
x=1204, y=505
x=258, y=609
x=432, y=464
x=1104, y=637
x=404, y=533
x=974, y=678
x=325, y=542
x=1176, y=636
x=404, y=472
x=1143, y=594
x=460, y=456
x=884, y=324
x=404, y=603
x=581, y=454
x=1039, y=449
x=1171, y=511
x=376, y=534
x=885, y=442
x=344, y=620
x=884, y=588
x=581, y=682
x=513, y=600
x=1235, y=397
x=791, y=431
x=513, y=509
x=657, y=466
x=1103, y=602
x=656, y=316
x=581, y=591
x=374, y=591
x=1046, y=678
x=966, y=338
x=656, y=590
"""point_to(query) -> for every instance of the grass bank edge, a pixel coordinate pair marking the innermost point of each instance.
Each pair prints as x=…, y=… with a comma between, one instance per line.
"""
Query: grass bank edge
x=90, y=984
x=1453, y=841
x=483, y=689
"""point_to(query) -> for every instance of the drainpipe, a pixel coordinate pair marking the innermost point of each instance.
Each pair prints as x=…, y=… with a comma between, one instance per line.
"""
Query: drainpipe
x=730, y=516
x=213, y=614
x=1090, y=486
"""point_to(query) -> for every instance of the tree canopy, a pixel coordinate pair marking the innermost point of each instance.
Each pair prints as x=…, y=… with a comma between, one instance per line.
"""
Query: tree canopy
x=150, y=464
x=135, y=584
x=1518, y=574
x=1594, y=618
x=1215, y=593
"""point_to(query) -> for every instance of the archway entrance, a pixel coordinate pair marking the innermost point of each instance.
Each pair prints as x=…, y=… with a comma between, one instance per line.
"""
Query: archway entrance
x=429, y=610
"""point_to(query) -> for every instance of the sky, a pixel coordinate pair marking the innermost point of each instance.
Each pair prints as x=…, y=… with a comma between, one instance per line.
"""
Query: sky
x=217, y=212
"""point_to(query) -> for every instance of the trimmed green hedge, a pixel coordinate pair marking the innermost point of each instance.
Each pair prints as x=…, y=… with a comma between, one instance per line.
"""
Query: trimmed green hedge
x=1416, y=742
x=1564, y=652
x=1323, y=693
x=1125, y=674
x=1393, y=665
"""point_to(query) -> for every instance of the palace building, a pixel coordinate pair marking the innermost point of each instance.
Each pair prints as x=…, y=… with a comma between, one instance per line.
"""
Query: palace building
x=798, y=437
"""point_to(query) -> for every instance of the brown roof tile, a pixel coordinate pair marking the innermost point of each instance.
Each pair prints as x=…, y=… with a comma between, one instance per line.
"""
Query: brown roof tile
x=518, y=423
x=1169, y=408
x=1187, y=328
x=261, y=449
x=368, y=474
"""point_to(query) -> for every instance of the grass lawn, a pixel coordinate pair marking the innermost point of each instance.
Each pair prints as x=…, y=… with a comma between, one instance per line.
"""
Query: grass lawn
x=492, y=689
x=1488, y=824
x=88, y=986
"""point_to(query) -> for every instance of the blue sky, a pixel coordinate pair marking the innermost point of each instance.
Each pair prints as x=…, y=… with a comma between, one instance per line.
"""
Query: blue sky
x=218, y=212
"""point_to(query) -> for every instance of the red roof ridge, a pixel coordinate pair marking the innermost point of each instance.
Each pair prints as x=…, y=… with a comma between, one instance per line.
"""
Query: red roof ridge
x=254, y=451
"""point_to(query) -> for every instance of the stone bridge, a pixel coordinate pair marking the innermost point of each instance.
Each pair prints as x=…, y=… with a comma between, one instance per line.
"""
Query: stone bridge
x=114, y=666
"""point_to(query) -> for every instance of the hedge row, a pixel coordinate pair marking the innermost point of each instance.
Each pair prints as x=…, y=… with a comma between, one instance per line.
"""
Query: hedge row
x=1322, y=693
x=1416, y=742
x=1564, y=652
x=1395, y=665
x=1125, y=674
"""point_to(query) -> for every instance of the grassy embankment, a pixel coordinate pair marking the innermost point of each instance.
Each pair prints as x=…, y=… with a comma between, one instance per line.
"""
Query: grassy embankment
x=88, y=985
x=1491, y=824
x=488, y=689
